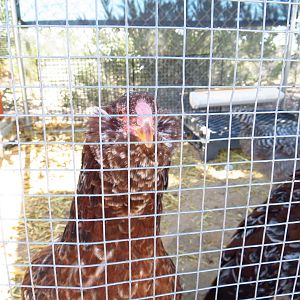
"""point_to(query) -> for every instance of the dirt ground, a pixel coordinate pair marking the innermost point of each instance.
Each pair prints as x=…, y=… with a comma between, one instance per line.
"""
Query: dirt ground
x=214, y=211
x=213, y=199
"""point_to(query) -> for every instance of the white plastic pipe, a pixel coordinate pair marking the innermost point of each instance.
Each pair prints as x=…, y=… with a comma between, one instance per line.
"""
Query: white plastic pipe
x=223, y=97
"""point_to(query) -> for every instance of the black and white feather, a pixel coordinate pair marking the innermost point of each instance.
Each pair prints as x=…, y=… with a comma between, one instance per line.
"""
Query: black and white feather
x=266, y=133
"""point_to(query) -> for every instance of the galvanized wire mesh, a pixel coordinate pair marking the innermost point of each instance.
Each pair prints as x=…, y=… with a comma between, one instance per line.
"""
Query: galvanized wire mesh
x=58, y=61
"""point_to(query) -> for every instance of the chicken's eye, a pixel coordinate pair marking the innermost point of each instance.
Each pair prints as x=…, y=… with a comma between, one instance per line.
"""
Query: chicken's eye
x=132, y=120
x=124, y=122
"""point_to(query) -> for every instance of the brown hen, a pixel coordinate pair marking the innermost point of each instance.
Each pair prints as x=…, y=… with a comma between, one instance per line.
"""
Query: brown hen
x=80, y=268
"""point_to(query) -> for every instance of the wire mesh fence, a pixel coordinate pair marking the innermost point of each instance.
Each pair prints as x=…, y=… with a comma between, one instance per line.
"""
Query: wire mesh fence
x=183, y=183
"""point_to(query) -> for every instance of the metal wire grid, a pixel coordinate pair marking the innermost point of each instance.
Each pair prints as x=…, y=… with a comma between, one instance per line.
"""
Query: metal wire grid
x=252, y=155
x=205, y=187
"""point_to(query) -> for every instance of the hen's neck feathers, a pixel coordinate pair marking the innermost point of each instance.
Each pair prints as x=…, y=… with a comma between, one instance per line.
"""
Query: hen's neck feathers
x=142, y=187
x=89, y=202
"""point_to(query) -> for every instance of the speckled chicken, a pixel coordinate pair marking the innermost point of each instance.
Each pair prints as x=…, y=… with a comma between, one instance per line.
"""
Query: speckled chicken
x=80, y=270
x=257, y=262
x=285, y=143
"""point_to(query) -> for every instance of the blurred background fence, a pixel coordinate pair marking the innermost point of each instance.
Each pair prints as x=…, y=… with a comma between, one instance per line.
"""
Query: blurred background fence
x=64, y=58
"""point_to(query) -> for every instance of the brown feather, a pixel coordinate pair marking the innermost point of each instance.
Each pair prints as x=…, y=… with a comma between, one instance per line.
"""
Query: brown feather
x=274, y=236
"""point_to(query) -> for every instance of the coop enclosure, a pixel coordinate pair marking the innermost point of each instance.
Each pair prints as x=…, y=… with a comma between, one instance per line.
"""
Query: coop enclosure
x=60, y=59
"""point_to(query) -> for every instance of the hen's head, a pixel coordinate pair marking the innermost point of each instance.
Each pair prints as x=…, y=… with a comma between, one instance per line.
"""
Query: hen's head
x=137, y=124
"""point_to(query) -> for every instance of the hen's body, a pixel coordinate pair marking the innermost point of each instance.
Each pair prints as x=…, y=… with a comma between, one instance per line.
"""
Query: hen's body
x=91, y=274
x=277, y=217
x=285, y=144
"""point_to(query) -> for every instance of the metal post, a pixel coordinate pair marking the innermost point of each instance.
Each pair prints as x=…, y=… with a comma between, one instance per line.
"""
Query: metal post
x=292, y=29
x=20, y=61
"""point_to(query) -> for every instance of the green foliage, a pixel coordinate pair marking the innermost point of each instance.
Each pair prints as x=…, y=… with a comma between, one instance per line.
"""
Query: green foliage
x=92, y=73
x=112, y=41
x=2, y=11
x=103, y=50
x=3, y=44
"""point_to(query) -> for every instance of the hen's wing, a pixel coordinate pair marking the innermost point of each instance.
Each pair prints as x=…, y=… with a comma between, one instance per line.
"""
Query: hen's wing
x=65, y=273
x=41, y=275
x=263, y=144
x=164, y=178
x=286, y=142
x=231, y=273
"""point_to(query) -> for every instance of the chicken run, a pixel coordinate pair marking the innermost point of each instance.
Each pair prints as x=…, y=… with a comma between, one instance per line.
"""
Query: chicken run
x=62, y=155
x=204, y=95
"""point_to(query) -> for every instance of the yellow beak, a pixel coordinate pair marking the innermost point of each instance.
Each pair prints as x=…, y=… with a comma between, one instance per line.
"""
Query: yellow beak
x=145, y=134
